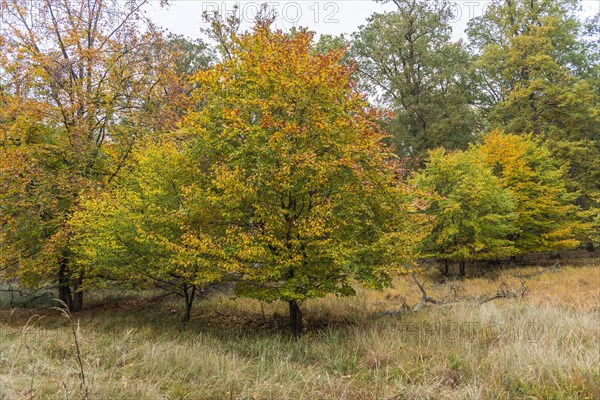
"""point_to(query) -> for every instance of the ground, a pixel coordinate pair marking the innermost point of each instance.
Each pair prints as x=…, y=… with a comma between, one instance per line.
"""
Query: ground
x=509, y=333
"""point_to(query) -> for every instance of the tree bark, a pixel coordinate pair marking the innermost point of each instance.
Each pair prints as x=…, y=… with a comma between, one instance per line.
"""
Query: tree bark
x=188, y=296
x=69, y=289
x=77, y=298
x=64, y=290
x=424, y=297
x=462, y=268
x=295, y=318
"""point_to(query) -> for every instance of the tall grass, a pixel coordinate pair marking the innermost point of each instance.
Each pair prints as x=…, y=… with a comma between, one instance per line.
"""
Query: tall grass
x=239, y=349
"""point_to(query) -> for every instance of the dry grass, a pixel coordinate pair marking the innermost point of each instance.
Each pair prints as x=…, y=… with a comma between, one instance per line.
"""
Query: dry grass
x=573, y=287
x=542, y=346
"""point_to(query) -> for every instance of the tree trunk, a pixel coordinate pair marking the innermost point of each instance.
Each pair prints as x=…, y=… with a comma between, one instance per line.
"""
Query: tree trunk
x=555, y=255
x=462, y=268
x=188, y=296
x=69, y=290
x=64, y=290
x=445, y=267
x=295, y=318
x=589, y=246
x=77, y=299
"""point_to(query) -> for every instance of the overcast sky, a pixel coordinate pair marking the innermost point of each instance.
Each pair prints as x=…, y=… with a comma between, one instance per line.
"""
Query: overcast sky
x=324, y=17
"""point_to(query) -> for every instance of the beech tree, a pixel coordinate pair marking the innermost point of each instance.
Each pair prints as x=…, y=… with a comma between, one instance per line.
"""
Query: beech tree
x=503, y=197
x=309, y=193
x=138, y=232
x=546, y=218
x=97, y=85
x=473, y=213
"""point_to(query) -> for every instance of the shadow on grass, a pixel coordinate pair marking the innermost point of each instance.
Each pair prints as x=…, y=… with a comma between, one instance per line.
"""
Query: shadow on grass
x=161, y=314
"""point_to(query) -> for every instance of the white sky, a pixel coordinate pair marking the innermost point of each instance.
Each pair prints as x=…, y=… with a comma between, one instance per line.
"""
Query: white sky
x=324, y=17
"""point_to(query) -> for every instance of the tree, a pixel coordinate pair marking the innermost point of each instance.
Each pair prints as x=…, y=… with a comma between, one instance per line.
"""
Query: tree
x=26, y=193
x=473, y=213
x=97, y=82
x=588, y=63
x=327, y=43
x=309, y=194
x=225, y=30
x=191, y=55
x=406, y=58
x=139, y=232
x=536, y=76
x=546, y=219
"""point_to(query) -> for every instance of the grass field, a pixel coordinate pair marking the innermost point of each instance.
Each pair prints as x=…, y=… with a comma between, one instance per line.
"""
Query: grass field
x=540, y=341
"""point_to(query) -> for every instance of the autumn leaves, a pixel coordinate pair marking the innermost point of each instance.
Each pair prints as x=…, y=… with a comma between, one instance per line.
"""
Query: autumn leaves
x=269, y=169
x=278, y=183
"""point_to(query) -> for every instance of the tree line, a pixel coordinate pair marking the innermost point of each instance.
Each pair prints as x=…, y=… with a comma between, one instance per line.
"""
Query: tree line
x=288, y=166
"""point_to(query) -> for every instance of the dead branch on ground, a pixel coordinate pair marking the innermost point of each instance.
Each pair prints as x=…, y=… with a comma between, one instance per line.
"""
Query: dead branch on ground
x=424, y=297
x=505, y=292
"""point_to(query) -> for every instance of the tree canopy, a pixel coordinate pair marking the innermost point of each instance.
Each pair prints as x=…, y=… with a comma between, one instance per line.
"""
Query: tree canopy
x=407, y=59
x=474, y=214
x=310, y=194
x=84, y=83
x=289, y=166
x=546, y=219
x=536, y=76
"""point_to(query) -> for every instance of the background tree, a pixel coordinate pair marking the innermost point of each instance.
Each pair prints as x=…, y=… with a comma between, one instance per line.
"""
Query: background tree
x=327, y=43
x=536, y=76
x=191, y=55
x=95, y=73
x=309, y=193
x=473, y=213
x=225, y=30
x=407, y=59
x=26, y=192
x=546, y=219
x=139, y=232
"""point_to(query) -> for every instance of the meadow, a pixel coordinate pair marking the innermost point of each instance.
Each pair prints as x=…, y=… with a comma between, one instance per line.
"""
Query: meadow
x=265, y=161
x=516, y=333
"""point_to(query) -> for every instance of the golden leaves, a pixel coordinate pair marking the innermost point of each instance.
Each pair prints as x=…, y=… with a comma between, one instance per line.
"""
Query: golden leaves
x=298, y=168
